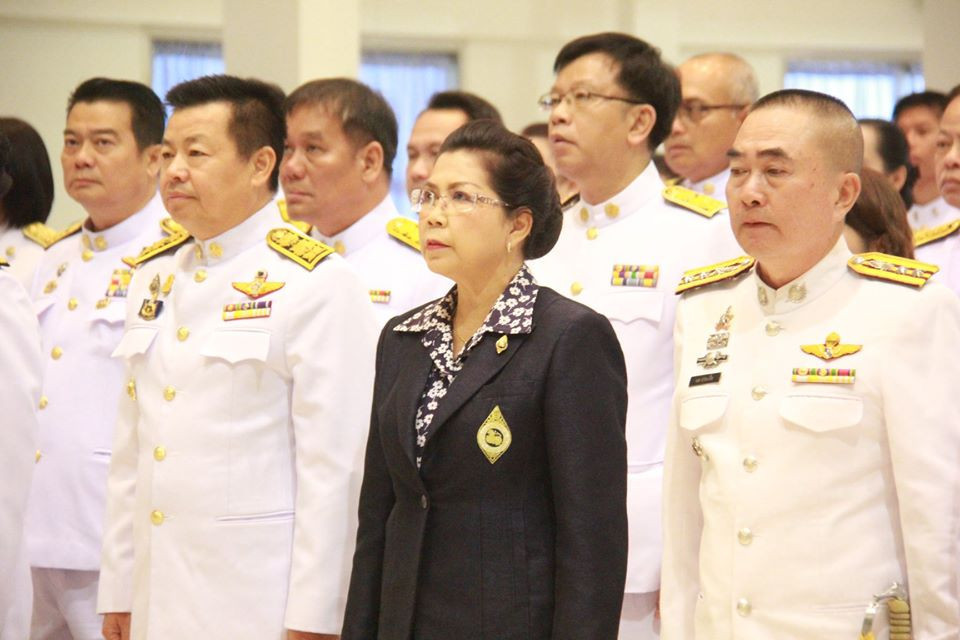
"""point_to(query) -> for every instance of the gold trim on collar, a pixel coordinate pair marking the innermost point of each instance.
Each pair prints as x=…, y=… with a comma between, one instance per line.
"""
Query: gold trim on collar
x=932, y=234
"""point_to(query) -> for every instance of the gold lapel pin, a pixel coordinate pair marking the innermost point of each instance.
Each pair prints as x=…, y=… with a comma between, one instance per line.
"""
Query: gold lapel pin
x=502, y=344
x=831, y=348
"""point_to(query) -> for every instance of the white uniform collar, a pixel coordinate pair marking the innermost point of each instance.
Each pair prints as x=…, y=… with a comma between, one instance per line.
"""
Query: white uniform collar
x=370, y=227
x=125, y=231
x=715, y=186
x=809, y=286
x=933, y=214
x=235, y=241
x=644, y=189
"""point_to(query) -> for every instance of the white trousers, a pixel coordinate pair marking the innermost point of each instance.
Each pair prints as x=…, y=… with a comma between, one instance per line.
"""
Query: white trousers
x=639, y=619
x=65, y=605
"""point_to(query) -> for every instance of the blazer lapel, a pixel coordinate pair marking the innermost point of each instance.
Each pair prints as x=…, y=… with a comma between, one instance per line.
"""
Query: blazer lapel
x=482, y=364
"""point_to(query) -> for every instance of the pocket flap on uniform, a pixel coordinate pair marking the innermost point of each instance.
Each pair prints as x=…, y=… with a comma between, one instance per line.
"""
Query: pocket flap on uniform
x=627, y=306
x=136, y=339
x=822, y=412
x=698, y=411
x=234, y=345
x=114, y=311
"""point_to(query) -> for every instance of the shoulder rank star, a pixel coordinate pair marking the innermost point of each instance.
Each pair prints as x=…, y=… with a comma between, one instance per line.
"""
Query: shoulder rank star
x=831, y=348
x=259, y=287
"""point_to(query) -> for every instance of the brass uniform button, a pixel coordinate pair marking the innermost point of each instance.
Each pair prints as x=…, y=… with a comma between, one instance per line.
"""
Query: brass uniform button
x=87, y=255
x=758, y=392
x=183, y=333
x=592, y=233
x=584, y=214
x=43, y=402
x=339, y=247
x=50, y=286
x=743, y=607
x=576, y=288
x=169, y=394
x=56, y=352
x=216, y=250
x=750, y=464
x=11, y=251
x=72, y=304
x=37, y=456
x=156, y=517
x=159, y=453
x=773, y=328
x=132, y=388
x=745, y=536
x=103, y=303
x=100, y=243
x=200, y=275
x=796, y=293
x=611, y=210
x=708, y=189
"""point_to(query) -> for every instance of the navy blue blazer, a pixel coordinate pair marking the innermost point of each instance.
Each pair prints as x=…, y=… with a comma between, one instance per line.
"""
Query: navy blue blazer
x=532, y=546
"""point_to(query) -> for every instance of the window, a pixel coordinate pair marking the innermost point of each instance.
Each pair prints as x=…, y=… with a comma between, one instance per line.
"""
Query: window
x=870, y=89
x=407, y=80
x=176, y=62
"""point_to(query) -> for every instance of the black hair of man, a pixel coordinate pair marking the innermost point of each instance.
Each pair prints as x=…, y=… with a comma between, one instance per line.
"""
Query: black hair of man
x=472, y=105
x=30, y=197
x=6, y=181
x=840, y=135
x=642, y=74
x=936, y=101
x=517, y=175
x=146, y=110
x=257, y=119
x=894, y=152
x=364, y=114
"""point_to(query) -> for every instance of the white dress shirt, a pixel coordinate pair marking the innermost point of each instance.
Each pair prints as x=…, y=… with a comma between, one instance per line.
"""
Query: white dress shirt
x=933, y=214
x=715, y=186
x=22, y=253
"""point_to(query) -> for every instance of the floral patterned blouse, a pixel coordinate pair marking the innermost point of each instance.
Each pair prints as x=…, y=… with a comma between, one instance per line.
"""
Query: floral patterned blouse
x=511, y=314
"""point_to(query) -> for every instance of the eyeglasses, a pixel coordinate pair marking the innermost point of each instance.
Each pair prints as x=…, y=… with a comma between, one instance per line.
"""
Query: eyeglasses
x=577, y=99
x=695, y=111
x=459, y=201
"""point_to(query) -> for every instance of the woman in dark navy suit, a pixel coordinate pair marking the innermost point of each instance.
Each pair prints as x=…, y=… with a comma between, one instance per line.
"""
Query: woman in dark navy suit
x=494, y=489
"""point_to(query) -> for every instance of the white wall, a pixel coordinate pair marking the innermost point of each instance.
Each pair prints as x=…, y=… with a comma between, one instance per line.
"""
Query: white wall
x=505, y=47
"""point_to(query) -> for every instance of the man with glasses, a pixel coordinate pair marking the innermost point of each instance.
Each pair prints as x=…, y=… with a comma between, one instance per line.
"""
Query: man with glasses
x=716, y=88
x=621, y=251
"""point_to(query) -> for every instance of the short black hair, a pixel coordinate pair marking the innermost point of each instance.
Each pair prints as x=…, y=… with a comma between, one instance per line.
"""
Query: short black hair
x=643, y=74
x=518, y=176
x=257, y=120
x=472, y=105
x=894, y=151
x=934, y=100
x=146, y=111
x=364, y=114
x=30, y=197
x=6, y=181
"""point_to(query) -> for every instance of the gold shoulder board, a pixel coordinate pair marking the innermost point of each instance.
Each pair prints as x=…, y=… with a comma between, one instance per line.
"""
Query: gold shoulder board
x=406, y=231
x=696, y=202
x=715, y=273
x=893, y=268
x=46, y=236
x=176, y=236
x=926, y=236
x=300, y=225
x=569, y=202
x=302, y=249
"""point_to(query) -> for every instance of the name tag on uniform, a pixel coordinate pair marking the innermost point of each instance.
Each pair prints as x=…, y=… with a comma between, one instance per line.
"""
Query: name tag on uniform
x=707, y=378
x=245, y=310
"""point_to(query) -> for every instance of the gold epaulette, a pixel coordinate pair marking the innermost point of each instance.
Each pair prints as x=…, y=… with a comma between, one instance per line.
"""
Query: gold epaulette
x=569, y=202
x=176, y=236
x=715, y=273
x=926, y=236
x=300, y=225
x=406, y=231
x=696, y=202
x=893, y=268
x=46, y=236
x=300, y=248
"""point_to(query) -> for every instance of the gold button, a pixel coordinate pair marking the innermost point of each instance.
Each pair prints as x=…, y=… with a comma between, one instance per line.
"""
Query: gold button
x=11, y=251
x=62, y=268
x=216, y=250
x=56, y=352
x=156, y=517
x=796, y=293
x=743, y=607
x=50, y=286
x=750, y=464
x=43, y=402
x=698, y=449
x=183, y=333
x=762, y=296
x=592, y=233
x=87, y=255
x=745, y=536
x=576, y=288
x=100, y=243
x=200, y=275
x=132, y=388
x=72, y=304
x=773, y=328
x=159, y=453
x=102, y=303
x=611, y=210
x=584, y=214
x=708, y=188
x=169, y=394
x=339, y=247
x=37, y=456
x=758, y=392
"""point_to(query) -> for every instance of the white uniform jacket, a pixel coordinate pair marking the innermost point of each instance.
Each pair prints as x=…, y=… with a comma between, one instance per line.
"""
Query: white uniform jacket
x=79, y=296
x=933, y=214
x=22, y=253
x=944, y=253
x=232, y=492
x=636, y=228
x=715, y=186
x=395, y=273
x=789, y=501
x=20, y=362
